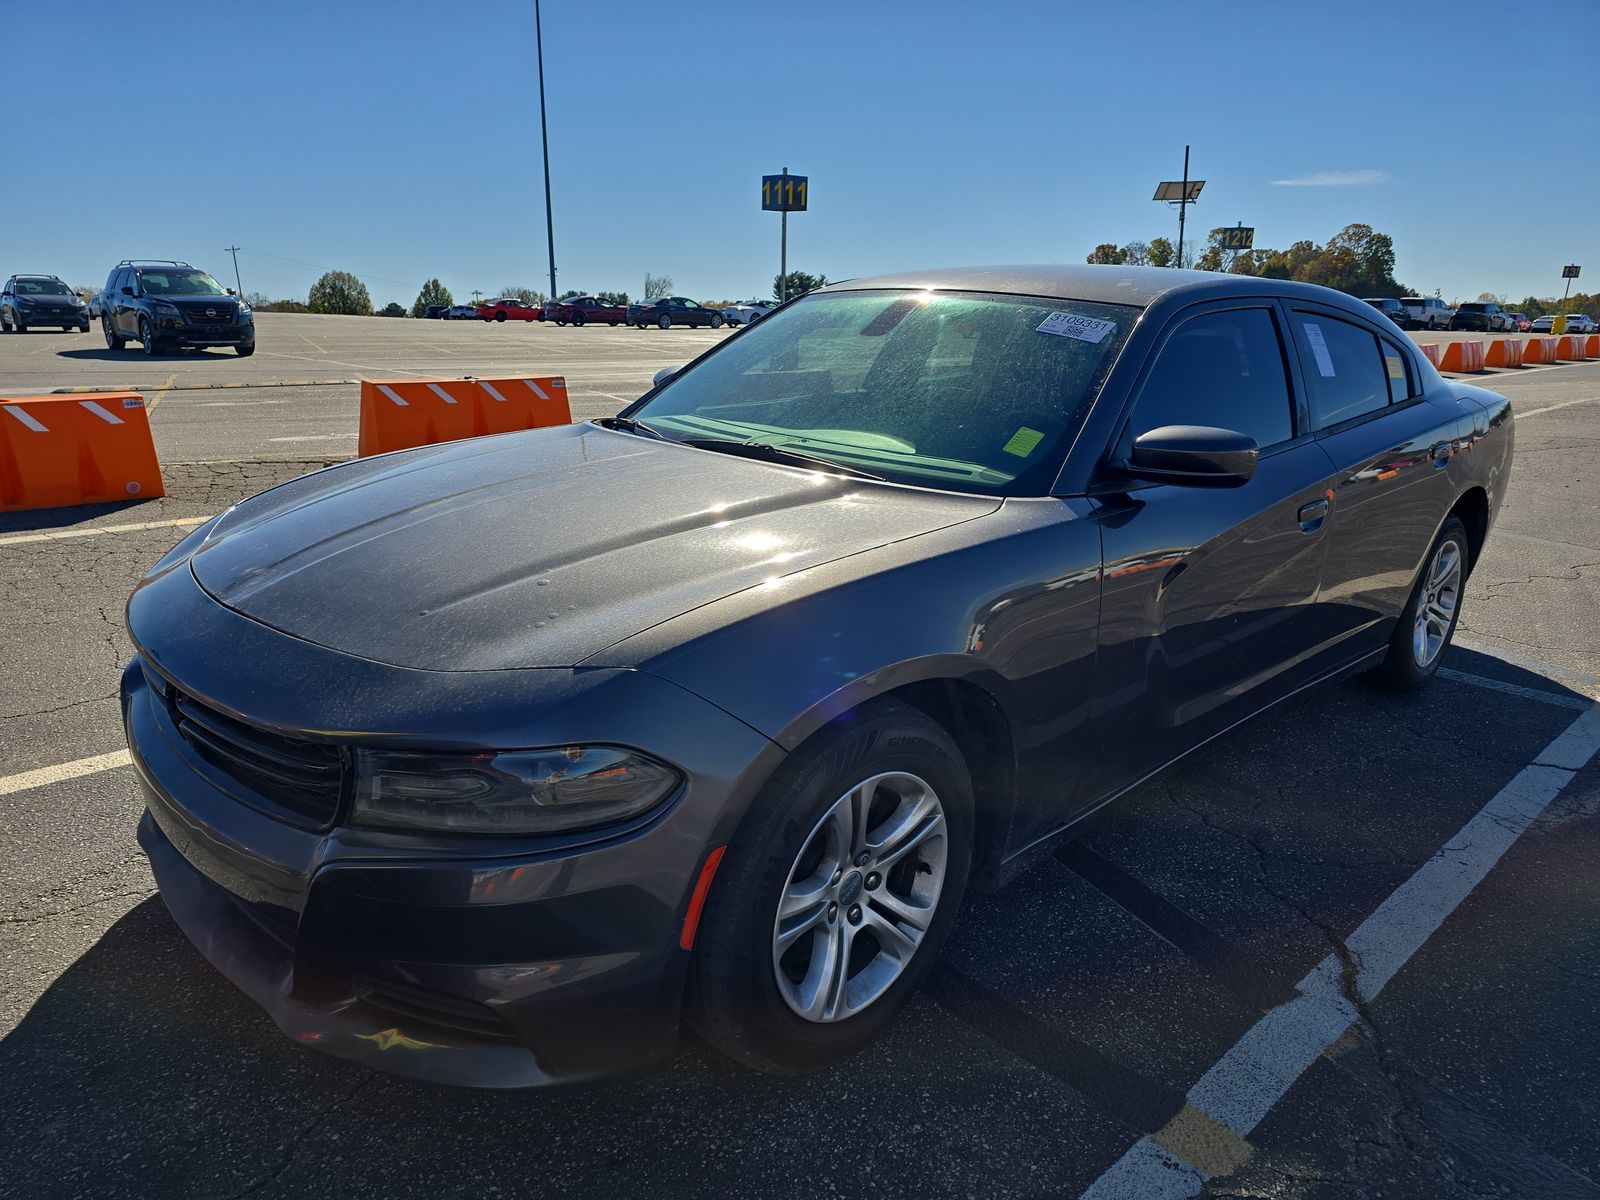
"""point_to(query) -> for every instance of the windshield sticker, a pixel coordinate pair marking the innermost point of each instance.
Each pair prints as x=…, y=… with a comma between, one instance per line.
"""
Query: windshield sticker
x=1084, y=329
x=1024, y=441
x=1319, y=347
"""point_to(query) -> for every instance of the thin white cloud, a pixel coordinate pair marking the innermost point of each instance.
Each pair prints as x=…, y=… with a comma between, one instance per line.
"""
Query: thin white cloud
x=1335, y=179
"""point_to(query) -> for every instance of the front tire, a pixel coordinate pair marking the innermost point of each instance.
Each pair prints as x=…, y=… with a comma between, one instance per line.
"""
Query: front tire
x=716, y=322
x=577, y=320
x=245, y=351
x=114, y=340
x=147, y=337
x=835, y=894
x=1428, y=621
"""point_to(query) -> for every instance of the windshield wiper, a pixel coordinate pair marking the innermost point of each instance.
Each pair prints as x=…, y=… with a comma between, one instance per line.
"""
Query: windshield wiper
x=629, y=425
x=776, y=454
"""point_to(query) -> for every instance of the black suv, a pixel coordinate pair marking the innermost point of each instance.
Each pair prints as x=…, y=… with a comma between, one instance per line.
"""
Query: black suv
x=30, y=300
x=1490, y=318
x=171, y=305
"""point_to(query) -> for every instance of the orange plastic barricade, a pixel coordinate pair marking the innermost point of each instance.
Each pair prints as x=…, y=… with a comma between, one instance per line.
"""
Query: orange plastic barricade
x=397, y=414
x=1503, y=352
x=1430, y=351
x=1591, y=345
x=1538, y=350
x=59, y=450
x=1462, y=357
x=1570, y=347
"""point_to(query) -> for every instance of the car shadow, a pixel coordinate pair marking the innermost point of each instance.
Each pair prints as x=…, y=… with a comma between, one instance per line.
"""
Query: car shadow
x=132, y=355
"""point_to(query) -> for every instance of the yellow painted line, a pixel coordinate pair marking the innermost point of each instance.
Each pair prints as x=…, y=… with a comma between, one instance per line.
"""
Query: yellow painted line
x=66, y=535
x=75, y=769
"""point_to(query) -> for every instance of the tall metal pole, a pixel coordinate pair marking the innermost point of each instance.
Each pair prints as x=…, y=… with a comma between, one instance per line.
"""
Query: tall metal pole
x=783, y=249
x=1183, y=203
x=234, y=250
x=544, y=134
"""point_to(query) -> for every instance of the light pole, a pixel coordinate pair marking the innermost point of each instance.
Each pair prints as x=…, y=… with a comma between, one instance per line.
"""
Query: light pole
x=544, y=136
x=234, y=250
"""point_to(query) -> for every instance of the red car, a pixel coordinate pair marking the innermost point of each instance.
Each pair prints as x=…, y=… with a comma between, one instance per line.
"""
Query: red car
x=509, y=309
x=580, y=310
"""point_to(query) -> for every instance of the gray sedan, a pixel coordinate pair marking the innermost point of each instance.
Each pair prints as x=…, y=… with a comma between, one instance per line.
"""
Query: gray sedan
x=867, y=606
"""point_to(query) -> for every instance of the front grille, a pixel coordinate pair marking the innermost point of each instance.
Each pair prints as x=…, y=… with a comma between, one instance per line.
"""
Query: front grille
x=301, y=779
x=438, y=1009
x=196, y=315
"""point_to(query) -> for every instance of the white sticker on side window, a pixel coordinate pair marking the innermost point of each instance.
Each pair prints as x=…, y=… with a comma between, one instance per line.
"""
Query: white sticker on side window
x=1319, y=347
x=1085, y=329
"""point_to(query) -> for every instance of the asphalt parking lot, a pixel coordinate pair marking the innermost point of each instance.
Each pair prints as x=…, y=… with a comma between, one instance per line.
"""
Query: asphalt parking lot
x=1416, y=873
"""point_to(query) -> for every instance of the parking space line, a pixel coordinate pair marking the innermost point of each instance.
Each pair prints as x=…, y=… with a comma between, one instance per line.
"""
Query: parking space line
x=1534, y=412
x=1515, y=689
x=64, y=535
x=1212, y=953
x=24, y=780
x=1244, y=1085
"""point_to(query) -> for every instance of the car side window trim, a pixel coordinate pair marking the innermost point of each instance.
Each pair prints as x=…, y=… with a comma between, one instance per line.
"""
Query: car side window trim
x=1297, y=307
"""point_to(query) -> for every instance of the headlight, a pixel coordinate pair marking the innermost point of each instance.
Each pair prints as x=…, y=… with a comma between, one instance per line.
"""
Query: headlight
x=24, y=302
x=167, y=310
x=245, y=312
x=517, y=791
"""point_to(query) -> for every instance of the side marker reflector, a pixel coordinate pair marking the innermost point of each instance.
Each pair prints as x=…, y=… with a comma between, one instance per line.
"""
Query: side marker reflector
x=697, y=902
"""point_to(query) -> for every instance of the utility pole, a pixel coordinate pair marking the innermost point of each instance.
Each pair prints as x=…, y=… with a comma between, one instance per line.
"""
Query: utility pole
x=1183, y=203
x=544, y=135
x=475, y=294
x=783, y=256
x=234, y=250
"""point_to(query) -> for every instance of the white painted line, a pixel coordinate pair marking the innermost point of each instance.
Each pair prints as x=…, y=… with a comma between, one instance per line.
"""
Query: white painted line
x=389, y=392
x=312, y=437
x=440, y=392
x=63, y=771
x=1263, y=1065
x=537, y=390
x=26, y=419
x=489, y=387
x=64, y=535
x=110, y=418
x=1534, y=412
x=1515, y=689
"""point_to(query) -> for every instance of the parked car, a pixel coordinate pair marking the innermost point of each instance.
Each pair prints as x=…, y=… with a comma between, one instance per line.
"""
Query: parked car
x=1581, y=323
x=1520, y=322
x=829, y=642
x=673, y=310
x=461, y=312
x=1428, y=312
x=509, y=309
x=165, y=304
x=746, y=312
x=1542, y=324
x=32, y=300
x=1392, y=309
x=1486, y=316
x=581, y=310
x=435, y=312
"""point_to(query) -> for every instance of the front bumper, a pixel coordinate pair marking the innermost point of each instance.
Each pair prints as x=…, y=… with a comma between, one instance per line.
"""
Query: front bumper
x=66, y=318
x=208, y=335
x=476, y=961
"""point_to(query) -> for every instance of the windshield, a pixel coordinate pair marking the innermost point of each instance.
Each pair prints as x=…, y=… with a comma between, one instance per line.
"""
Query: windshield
x=178, y=283
x=41, y=287
x=973, y=393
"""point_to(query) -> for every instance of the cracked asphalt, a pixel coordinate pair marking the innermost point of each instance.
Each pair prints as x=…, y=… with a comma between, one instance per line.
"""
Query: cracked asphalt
x=1072, y=1010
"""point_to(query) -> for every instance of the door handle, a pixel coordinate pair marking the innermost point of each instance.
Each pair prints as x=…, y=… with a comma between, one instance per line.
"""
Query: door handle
x=1311, y=515
x=1440, y=453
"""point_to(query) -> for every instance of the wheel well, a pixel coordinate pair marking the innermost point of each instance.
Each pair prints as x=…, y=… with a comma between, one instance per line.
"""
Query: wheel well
x=979, y=728
x=1473, y=509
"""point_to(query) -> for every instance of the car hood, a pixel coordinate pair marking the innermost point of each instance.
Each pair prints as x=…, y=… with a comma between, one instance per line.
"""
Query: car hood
x=537, y=549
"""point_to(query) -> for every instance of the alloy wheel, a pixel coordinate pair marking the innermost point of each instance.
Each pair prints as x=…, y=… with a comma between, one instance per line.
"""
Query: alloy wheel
x=860, y=897
x=1436, y=607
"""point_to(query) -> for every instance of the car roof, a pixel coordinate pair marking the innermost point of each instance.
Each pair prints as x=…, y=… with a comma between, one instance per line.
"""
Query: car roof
x=1141, y=286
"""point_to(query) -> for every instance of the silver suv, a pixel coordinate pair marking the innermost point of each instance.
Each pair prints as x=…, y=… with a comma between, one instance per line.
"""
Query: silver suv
x=1428, y=312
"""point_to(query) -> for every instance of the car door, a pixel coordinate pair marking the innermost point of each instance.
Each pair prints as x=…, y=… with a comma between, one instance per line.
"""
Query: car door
x=1208, y=606
x=1390, y=445
x=7, y=302
x=127, y=319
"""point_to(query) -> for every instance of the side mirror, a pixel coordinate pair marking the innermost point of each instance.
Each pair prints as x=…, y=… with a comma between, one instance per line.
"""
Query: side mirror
x=664, y=374
x=230, y=291
x=127, y=291
x=1193, y=455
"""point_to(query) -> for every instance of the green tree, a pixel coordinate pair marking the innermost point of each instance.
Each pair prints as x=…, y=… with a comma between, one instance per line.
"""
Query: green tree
x=1136, y=254
x=433, y=292
x=1106, y=252
x=340, y=292
x=800, y=282
x=392, y=309
x=570, y=293
x=1161, y=252
x=611, y=297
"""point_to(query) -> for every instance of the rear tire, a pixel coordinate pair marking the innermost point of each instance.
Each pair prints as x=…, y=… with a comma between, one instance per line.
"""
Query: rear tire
x=744, y=997
x=1428, y=621
x=665, y=322
x=499, y=316
x=577, y=320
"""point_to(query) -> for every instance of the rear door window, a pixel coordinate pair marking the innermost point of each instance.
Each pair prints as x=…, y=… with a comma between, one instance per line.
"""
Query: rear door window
x=1222, y=369
x=1346, y=376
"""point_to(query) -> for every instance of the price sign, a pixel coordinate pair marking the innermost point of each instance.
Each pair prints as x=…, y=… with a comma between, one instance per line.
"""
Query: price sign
x=783, y=193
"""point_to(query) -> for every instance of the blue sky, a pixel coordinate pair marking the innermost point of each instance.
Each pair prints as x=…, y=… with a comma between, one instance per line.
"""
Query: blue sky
x=399, y=139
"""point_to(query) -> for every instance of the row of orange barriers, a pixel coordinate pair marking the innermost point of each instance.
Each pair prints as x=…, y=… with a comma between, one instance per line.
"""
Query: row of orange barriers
x=65, y=450
x=1468, y=357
